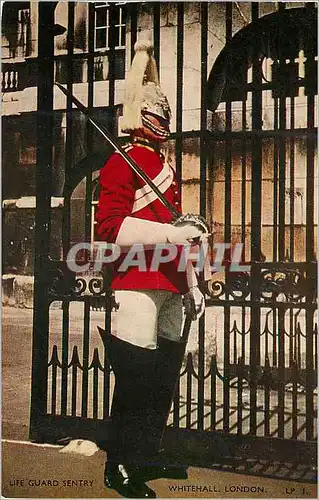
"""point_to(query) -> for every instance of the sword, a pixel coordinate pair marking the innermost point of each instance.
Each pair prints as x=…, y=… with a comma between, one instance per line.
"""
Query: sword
x=134, y=166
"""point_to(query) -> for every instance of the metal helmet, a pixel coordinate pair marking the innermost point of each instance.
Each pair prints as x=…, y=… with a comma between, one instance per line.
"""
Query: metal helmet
x=155, y=102
x=143, y=94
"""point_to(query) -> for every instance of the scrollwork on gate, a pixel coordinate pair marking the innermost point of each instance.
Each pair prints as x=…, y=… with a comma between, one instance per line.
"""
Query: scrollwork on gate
x=215, y=289
x=80, y=286
x=273, y=284
x=235, y=287
x=97, y=286
x=283, y=285
x=63, y=284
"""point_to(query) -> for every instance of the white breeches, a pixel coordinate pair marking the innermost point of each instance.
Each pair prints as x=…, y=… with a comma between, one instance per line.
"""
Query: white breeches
x=145, y=314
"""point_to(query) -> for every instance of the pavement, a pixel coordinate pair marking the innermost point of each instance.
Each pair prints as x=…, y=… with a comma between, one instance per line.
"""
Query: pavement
x=42, y=471
x=31, y=470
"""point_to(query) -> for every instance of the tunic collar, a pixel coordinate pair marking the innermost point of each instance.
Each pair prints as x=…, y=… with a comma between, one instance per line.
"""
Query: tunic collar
x=138, y=141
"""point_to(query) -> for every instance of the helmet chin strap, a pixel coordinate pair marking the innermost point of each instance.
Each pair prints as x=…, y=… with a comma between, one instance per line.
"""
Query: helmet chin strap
x=159, y=131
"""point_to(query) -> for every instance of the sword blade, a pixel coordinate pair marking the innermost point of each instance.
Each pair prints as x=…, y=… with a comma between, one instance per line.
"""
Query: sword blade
x=186, y=328
x=134, y=166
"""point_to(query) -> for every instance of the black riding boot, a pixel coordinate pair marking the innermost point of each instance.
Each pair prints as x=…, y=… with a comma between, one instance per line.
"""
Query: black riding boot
x=169, y=360
x=170, y=356
x=134, y=436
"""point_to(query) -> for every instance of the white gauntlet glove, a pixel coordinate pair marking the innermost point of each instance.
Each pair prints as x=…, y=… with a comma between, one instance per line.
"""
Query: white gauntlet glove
x=147, y=232
x=183, y=234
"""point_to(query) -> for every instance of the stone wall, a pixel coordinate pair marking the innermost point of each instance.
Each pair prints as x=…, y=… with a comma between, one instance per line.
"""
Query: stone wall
x=17, y=291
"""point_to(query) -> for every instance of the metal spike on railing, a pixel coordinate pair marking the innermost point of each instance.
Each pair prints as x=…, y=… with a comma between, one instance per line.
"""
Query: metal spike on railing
x=54, y=361
x=75, y=360
x=95, y=363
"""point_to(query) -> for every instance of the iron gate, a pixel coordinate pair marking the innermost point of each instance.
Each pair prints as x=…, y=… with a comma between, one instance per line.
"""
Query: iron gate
x=252, y=378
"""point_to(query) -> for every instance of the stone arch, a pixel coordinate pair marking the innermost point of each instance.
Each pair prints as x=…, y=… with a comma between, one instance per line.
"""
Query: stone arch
x=276, y=35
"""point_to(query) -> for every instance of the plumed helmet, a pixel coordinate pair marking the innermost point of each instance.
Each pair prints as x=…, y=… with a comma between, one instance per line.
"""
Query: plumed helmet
x=143, y=93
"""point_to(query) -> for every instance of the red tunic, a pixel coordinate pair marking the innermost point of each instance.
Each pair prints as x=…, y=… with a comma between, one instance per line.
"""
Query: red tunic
x=124, y=194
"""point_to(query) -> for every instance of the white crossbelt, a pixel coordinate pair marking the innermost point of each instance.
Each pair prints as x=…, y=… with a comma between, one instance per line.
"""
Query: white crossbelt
x=145, y=195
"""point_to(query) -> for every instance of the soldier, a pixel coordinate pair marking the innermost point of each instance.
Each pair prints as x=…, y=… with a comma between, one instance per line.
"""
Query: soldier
x=145, y=346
